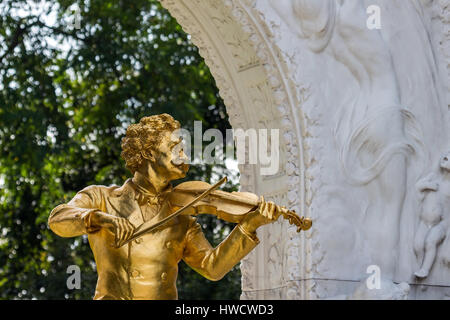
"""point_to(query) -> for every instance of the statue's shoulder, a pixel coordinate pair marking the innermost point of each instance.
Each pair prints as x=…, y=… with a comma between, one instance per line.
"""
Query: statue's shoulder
x=111, y=190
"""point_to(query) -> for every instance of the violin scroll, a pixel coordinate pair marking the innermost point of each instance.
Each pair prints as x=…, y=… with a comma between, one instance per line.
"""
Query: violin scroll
x=302, y=223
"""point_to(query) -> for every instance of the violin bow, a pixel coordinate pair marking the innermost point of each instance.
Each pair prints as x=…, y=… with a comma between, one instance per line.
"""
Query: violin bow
x=147, y=227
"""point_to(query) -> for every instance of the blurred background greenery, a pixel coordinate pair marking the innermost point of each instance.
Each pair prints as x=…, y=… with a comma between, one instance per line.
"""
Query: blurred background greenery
x=67, y=95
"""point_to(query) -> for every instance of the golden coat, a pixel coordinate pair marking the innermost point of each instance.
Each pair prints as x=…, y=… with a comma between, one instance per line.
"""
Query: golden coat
x=147, y=267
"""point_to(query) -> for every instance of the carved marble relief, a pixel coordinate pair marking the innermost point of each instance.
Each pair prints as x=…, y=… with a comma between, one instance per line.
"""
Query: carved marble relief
x=433, y=232
x=386, y=114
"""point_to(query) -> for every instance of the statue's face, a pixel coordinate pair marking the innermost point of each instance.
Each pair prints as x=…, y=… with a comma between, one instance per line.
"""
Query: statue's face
x=171, y=161
x=445, y=161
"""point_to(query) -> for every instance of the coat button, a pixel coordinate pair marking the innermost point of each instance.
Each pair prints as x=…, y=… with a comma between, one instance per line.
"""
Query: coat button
x=134, y=273
x=138, y=240
x=163, y=276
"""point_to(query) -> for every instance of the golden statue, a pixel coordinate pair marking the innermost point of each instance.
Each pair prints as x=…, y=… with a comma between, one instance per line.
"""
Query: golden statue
x=140, y=231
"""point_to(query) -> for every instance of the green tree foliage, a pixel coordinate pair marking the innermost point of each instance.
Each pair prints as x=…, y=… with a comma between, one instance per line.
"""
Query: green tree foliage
x=67, y=95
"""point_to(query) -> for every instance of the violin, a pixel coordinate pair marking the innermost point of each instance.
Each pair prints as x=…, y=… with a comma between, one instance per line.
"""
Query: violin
x=198, y=197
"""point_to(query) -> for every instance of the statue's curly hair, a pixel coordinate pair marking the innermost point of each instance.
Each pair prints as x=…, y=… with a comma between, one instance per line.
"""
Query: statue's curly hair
x=145, y=135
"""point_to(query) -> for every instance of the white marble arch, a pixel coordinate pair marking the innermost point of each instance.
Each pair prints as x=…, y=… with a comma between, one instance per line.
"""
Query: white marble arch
x=251, y=76
x=268, y=78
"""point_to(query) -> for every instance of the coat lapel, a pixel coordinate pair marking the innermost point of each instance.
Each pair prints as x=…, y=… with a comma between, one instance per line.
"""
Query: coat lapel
x=121, y=202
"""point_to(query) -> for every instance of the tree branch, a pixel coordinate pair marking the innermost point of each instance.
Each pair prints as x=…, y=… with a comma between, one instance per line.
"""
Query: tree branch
x=62, y=32
x=15, y=39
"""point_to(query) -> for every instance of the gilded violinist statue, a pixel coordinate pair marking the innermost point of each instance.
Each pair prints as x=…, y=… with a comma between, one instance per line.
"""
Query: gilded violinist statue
x=142, y=263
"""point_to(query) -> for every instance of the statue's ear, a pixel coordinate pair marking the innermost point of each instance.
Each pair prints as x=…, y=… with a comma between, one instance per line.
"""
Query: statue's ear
x=147, y=154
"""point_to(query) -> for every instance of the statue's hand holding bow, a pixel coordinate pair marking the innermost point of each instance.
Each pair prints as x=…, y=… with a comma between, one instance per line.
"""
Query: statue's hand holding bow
x=120, y=227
